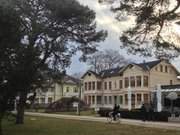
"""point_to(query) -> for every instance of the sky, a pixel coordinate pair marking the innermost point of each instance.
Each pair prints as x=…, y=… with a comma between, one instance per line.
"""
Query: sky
x=106, y=20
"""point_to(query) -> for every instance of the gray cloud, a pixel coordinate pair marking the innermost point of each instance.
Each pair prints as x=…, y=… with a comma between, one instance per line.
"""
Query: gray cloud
x=106, y=20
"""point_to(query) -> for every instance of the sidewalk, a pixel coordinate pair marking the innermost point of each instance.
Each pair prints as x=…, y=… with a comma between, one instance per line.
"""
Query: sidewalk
x=163, y=125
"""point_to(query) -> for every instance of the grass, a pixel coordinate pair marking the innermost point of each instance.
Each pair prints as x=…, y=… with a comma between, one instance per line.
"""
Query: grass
x=52, y=126
x=82, y=113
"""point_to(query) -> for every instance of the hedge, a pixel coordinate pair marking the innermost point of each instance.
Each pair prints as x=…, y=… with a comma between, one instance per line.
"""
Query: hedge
x=137, y=114
x=65, y=104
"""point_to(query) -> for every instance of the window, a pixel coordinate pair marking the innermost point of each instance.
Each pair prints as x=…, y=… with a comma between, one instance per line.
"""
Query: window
x=42, y=100
x=105, y=99
x=89, y=99
x=49, y=100
x=126, y=82
x=115, y=84
x=89, y=85
x=85, y=86
x=110, y=100
x=99, y=99
x=166, y=69
x=93, y=100
x=110, y=85
x=132, y=81
x=171, y=82
x=126, y=99
x=75, y=90
x=139, y=98
x=120, y=84
x=105, y=85
x=50, y=89
x=115, y=99
x=156, y=68
x=120, y=99
x=145, y=81
x=37, y=100
x=67, y=89
x=99, y=85
x=161, y=68
x=138, y=81
x=93, y=85
x=146, y=98
x=85, y=99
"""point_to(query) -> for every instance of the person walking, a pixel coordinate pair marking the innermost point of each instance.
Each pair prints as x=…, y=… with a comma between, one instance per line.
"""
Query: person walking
x=143, y=112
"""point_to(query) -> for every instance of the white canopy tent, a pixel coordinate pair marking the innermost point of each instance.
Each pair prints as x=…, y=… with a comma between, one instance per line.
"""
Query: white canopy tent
x=160, y=89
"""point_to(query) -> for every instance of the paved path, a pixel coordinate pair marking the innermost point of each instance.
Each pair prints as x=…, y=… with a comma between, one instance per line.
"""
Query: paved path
x=163, y=125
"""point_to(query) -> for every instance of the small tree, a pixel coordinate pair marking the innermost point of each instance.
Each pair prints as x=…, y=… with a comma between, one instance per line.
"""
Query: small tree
x=106, y=60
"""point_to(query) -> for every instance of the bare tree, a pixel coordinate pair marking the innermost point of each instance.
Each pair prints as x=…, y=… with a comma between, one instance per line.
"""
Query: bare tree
x=106, y=59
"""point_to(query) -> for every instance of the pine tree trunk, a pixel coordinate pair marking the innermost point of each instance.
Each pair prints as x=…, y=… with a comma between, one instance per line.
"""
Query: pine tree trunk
x=1, y=130
x=21, y=108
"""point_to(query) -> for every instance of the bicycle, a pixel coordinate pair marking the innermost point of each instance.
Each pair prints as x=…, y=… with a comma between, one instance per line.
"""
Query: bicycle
x=110, y=117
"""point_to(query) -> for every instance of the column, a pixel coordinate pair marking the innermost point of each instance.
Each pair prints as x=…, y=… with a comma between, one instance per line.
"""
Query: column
x=107, y=99
x=123, y=103
x=113, y=101
x=129, y=99
x=142, y=82
x=142, y=97
x=95, y=100
x=102, y=100
x=96, y=86
x=136, y=100
x=46, y=98
x=159, y=104
x=117, y=101
x=91, y=101
x=87, y=99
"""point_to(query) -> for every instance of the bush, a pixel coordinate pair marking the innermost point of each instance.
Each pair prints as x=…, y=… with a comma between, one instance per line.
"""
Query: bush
x=137, y=114
x=65, y=104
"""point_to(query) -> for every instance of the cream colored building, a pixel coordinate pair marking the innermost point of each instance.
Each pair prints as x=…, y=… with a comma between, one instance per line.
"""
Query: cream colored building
x=68, y=87
x=110, y=87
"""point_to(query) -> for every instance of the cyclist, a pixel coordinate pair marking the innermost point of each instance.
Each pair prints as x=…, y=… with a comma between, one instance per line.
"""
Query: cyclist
x=115, y=111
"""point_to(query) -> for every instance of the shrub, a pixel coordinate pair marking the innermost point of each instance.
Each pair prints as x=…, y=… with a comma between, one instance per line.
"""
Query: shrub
x=65, y=104
x=137, y=114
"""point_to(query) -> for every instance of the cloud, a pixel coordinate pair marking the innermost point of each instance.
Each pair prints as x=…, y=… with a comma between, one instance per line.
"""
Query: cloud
x=106, y=20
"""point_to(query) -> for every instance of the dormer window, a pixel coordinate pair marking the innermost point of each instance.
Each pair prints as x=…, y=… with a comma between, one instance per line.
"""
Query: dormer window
x=166, y=69
x=156, y=68
x=161, y=68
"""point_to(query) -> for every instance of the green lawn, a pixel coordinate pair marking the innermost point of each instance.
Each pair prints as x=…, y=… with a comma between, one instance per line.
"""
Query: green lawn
x=51, y=126
x=82, y=113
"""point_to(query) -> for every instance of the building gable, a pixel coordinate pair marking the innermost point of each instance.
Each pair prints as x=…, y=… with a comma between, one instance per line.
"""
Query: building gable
x=90, y=75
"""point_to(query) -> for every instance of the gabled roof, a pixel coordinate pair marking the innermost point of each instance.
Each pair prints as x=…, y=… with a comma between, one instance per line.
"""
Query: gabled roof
x=71, y=80
x=111, y=72
x=119, y=70
x=148, y=65
x=89, y=71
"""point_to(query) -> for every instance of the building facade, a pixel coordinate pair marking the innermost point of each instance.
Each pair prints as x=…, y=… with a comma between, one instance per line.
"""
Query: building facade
x=111, y=87
x=67, y=87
